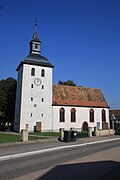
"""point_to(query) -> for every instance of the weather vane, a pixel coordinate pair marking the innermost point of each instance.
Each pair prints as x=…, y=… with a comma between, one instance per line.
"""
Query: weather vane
x=36, y=21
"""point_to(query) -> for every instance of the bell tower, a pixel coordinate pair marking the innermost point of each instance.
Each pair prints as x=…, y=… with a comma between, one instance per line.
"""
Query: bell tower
x=35, y=42
x=34, y=90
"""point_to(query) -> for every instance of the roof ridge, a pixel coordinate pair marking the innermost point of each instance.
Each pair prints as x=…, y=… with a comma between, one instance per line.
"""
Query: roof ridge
x=76, y=86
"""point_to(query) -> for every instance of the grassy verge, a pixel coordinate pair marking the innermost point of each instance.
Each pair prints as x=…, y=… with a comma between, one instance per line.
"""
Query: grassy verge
x=57, y=134
x=46, y=134
x=6, y=138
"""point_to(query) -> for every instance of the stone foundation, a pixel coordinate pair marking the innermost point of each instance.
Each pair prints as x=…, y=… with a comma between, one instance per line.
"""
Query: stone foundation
x=104, y=132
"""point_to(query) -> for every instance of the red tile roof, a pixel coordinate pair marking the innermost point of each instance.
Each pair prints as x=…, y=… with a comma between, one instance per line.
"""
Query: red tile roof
x=78, y=96
x=115, y=112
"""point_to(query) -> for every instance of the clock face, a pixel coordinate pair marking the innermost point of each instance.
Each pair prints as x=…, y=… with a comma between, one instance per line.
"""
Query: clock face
x=37, y=81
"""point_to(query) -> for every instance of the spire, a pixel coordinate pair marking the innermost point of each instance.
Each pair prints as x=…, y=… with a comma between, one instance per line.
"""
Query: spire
x=35, y=42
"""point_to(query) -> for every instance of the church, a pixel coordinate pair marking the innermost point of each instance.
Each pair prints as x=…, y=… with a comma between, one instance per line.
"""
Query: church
x=42, y=106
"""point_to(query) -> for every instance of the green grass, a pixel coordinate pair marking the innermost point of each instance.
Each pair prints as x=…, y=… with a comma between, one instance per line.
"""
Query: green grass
x=51, y=134
x=57, y=134
x=6, y=138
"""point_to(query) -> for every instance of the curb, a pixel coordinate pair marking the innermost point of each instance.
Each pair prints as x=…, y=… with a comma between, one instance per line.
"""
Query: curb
x=55, y=139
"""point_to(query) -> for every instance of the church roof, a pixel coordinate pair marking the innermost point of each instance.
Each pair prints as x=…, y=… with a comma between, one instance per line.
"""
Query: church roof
x=38, y=59
x=78, y=96
x=35, y=37
x=35, y=59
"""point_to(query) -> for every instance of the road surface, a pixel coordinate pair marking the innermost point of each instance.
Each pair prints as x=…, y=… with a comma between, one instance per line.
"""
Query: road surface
x=71, y=161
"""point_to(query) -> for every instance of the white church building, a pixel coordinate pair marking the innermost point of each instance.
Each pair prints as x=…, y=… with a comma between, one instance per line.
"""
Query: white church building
x=42, y=106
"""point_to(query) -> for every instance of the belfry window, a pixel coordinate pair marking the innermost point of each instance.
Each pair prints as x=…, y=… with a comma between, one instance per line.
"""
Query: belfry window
x=73, y=115
x=36, y=46
x=62, y=115
x=33, y=72
x=91, y=115
x=42, y=73
x=103, y=116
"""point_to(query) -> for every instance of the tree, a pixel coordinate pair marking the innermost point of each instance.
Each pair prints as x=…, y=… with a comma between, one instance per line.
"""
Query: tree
x=68, y=83
x=7, y=101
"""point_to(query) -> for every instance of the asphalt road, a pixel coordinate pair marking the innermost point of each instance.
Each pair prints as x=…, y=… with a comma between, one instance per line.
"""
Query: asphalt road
x=19, y=166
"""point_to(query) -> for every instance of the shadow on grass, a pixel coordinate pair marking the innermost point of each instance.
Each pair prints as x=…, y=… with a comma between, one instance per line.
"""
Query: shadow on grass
x=101, y=170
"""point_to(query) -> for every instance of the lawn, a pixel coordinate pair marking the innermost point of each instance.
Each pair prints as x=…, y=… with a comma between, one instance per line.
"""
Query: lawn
x=6, y=138
x=46, y=134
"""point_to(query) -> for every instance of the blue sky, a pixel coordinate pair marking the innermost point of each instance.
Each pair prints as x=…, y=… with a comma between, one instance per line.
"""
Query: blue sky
x=80, y=37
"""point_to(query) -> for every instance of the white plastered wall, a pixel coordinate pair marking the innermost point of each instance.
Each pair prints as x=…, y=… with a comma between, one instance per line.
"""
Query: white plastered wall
x=36, y=110
x=82, y=115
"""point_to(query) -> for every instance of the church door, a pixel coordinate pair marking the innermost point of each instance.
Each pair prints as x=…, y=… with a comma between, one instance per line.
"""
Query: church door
x=38, y=126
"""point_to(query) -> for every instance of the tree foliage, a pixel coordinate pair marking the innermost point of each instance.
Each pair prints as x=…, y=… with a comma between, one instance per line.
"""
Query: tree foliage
x=7, y=101
x=68, y=83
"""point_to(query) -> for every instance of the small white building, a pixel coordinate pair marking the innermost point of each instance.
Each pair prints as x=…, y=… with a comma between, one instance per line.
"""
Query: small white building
x=42, y=106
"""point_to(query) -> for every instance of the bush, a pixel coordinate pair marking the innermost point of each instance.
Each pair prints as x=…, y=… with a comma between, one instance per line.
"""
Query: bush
x=82, y=134
x=3, y=128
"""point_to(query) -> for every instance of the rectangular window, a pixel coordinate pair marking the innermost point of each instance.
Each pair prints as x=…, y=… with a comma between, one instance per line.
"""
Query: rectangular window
x=35, y=105
x=31, y=114
x=42, y=99
x=42, y=115
x=42, y=86
x=31, y=85
x=36, y=46
x=31, y=98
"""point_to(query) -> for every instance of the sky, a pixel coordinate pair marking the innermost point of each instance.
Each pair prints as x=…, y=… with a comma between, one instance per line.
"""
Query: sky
x=81, y=38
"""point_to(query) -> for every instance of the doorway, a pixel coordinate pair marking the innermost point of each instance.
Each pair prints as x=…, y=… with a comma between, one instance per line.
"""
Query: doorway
x=85, y=126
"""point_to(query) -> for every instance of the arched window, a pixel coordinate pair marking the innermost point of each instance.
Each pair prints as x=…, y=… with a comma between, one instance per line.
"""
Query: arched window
x=33, y=72
x=73, y=115
x=103, y=116
x=85, y=126
x=42, y=73
x=62, y=115
x=91, y=115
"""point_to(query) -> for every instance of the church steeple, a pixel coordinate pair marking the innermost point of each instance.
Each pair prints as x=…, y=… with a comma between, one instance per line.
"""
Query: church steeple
x=35, y=42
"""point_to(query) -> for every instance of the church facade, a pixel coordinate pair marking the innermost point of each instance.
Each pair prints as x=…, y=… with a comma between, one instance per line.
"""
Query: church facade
x=42, y=106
